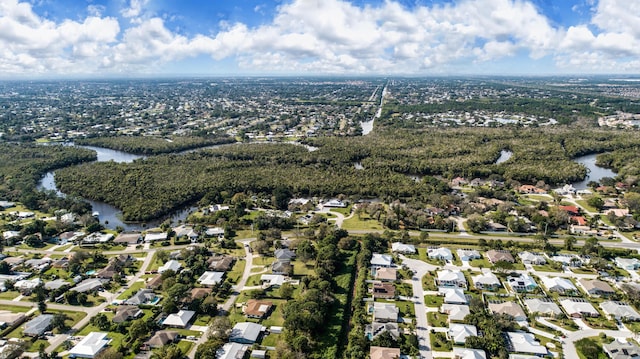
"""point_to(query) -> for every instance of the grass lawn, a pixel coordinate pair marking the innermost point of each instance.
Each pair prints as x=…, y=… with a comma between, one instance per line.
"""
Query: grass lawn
x=437, y=319
x=584, y=204
x=597, y=341
x=271, y=340
x=236, y=272
x=600, y=323
x=407, y=309
x=155, y=263
x=16, y=308
x=428, y=282
x=364, y=223
x=202, y=319
x=404, y=289
x=131, y=290
x=439, y=342
x=9, y=295
x=254, y=280
x=63, y=248
x=480, y=263
x=185, y=346
x=303, y=269
x=582, y=270
x=263, y=261
x=546, y=268
x=433, y=301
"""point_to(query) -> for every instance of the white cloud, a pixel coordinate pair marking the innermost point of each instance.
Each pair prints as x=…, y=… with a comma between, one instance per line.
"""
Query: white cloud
x=326, y=36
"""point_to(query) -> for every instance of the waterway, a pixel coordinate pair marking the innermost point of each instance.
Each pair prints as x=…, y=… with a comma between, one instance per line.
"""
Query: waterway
x=367, y=126
x=595, y=172
x=110, y=216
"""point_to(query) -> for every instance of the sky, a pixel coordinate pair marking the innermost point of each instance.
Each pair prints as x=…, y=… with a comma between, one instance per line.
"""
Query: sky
x=132, y=38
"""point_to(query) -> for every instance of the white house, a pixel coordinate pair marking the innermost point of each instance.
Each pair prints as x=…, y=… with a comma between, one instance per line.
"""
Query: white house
x=453, y=295
x=170, y=265
x=532, y=258
x=627, y=263
x=211, y=279
x=543, y=306
x=451, y=278
x=522, y=283
x=381, y=260
x=155, y=236
x=468, y=254
x=180, y=319
x=578, y=308
x=467, y=353
x=90, y=346
x=619, y=310
x=458, y=333
x=486, y=280
x=440, y=253
x=385, y=312
x=403, y=248
x=522, y=342
x=456, y=312
x=558, y=284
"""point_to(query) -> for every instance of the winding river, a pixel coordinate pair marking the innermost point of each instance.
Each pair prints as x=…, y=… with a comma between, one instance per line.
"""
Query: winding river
x=110, y=216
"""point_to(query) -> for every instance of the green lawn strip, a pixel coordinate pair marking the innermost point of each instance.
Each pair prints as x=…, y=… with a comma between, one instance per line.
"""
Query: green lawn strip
x=9, y=295
x=236, y=272
x=363, y=223
x=480, y=263
x=439, y=342
x=254, y=280
x=590, y=348
x=437, y=319
x=407, y=309
x=16, y=308
x=303, y=269
x=271, y=340
x=585, y=204
x=133, y=289
x=263, y=261
x=155, y=263
x=546, y=268
x=185, y=346
x=433, y=301
x=64, y=247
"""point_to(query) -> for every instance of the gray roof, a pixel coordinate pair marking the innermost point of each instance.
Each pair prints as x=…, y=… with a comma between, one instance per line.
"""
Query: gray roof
x=622, y=350
x=90, y=284
x=141, y=297
x=38, y=325
x=245, y=332
x=55, y=284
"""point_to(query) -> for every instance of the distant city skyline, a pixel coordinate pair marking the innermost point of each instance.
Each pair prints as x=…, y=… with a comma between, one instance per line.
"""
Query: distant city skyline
x=141, y=38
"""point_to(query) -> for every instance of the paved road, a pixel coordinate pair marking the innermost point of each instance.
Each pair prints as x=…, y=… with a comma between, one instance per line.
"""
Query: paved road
x=420, y=268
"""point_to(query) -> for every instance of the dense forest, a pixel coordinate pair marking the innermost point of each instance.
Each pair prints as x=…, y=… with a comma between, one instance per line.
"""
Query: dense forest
x=153, y=145
x=153, y=187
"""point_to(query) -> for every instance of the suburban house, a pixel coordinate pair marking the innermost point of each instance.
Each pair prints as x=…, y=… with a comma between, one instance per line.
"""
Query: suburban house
x=439, y=253
x=596, y=287
x=155, y=282
x=155, y=236
x=384, y=353
x=622, y=349
x=161, y=338
x=90, y=285
x=214, y=232
x=467, y=353
x=280, y=267
x=284, y=255
x=128, y=239
x=38, y=325
x=512, y=309
x=272, y=280
x=383, y=291
x=458, y=333
x=376, y=328
x=627, y=263
x=385, y=312
x=386, y=274
x=232, y=351
x=258, y=309
x=570, y=260
x=543, y=306
x=495, y=256
x=56, y=284
x=90, y=346
x=126, y=312
x=486, y=280
x=526, y=343
x=559, y=285
x=221, y=263
x=170, y=265
x=532, y=258
x=143, y=296
x=211, y=279
x=468, y=254
x=619, y=310
x=381, y=260
x=180, y=319
x=522, y=283
x=578, y=308
x=453, y=295
x=398, y=247
x=246, y=333
x=186, y=232
x=451, y=278
x=456, y=312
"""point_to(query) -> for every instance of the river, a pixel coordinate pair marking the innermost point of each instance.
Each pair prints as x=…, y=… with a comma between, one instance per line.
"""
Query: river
x=595, y=172
x=110, y=216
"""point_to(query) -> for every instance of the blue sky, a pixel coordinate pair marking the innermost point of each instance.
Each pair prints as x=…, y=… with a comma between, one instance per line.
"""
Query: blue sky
x=97, y=38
